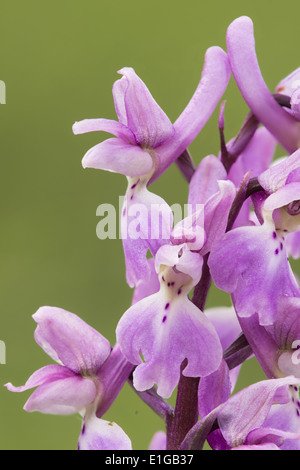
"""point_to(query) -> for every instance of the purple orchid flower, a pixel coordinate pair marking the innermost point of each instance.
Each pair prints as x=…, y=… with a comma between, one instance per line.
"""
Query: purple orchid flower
x=247, y=74
x=167, y=327
x=153, y=326
x=262, y=247
x=89, y=374
x=246, y=420
x=146, y=145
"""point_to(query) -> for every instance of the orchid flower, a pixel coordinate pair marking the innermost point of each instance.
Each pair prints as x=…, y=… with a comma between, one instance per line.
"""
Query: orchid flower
x=153, y=326
x=88, y=376
x=260, y=272
x=246, y=421
x=247, y=74
x=146, y=144
x=166, y=327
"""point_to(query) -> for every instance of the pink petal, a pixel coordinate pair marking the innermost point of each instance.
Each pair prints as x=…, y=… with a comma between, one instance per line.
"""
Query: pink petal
x=213, y=83
x=64, y=396
x=118, y=156
x=245, y=69
x=204, y=182
x=159, y=441
x=214, y=390
x=106, y=125
x=231, y=263
x=282, y=197
x=149, y=124
x=276, y=176
x=98, y=434
x=166, y=332
x=182, y=259
x=146, y=224
x=43, y=376
x=68, y=339
x=216, y=213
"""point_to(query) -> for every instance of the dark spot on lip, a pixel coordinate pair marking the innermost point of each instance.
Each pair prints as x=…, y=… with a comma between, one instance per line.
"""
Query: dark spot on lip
x=281, y=246
x=135, y=184
x=276, y=251
x=179, y=291
x=274, y=235
x=167, y=306
x=164, y=319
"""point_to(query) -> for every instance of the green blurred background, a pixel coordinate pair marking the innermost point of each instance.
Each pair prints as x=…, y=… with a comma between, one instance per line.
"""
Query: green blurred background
x=59, y=61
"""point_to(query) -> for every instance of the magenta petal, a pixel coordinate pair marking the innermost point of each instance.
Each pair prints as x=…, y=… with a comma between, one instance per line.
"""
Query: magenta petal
x=64, y=396
x=148, y=122
x=106, y=125
x=69, y=340
x=245, y=69
x=118, y=156
x=213, y=83
x=98, y=434
x=166, y=333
